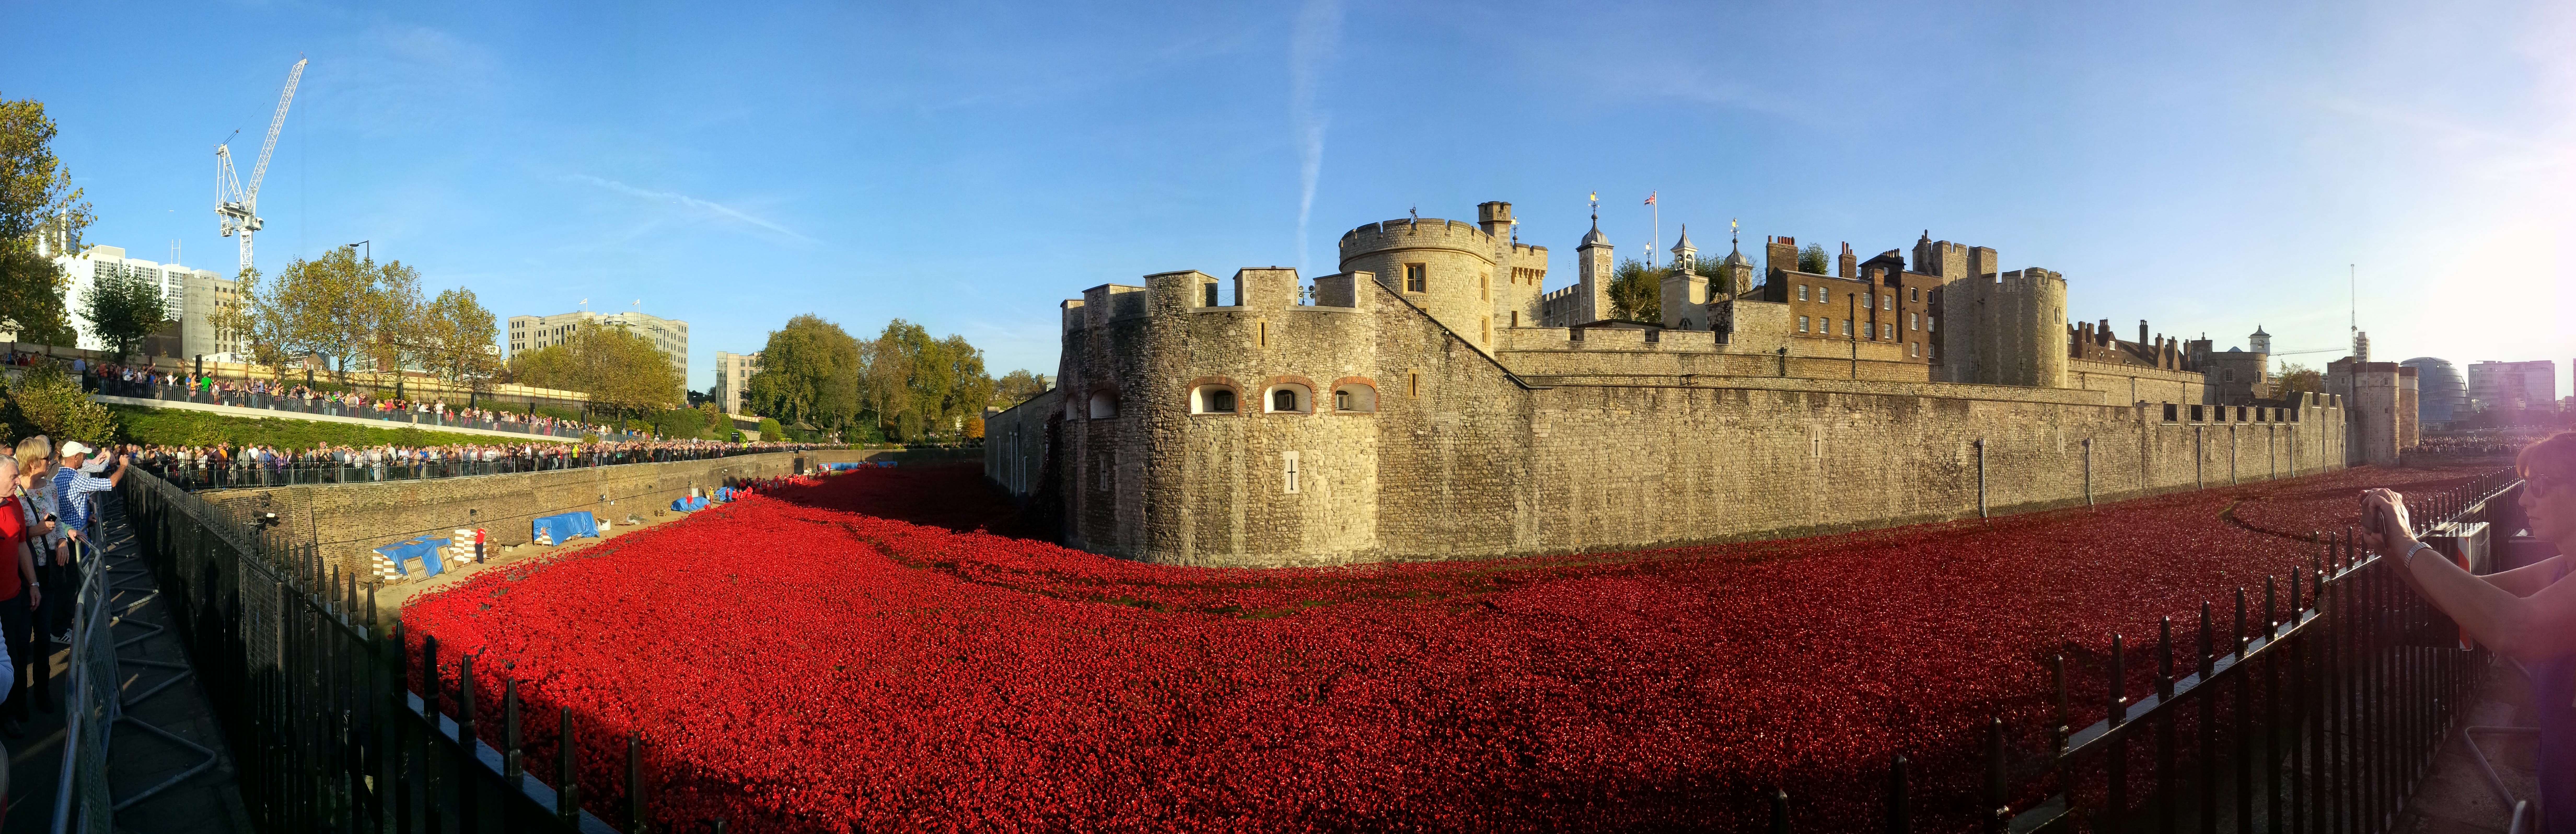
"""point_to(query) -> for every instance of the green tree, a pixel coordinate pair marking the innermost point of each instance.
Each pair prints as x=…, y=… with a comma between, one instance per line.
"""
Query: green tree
x=1812, y=259
x=326, y=307
x=260, y=320
x=809, y=373
x=46, y=401
x=2294, y=379
x=455, y=338
x=770, y=430
x=41, y=215
x=1015, y=388
x=621, y=370
x=1637, y=291
x=122, y=309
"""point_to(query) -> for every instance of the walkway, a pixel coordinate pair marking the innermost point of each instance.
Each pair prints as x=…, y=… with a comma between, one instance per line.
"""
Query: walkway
x=2457, y=797
x=173, y=789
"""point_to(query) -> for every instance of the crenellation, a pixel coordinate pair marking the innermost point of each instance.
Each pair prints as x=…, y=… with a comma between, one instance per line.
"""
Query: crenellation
x=1435, y=401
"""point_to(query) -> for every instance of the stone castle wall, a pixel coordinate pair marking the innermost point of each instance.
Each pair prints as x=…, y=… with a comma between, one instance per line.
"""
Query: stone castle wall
x=1616, y=443
x=349, y=520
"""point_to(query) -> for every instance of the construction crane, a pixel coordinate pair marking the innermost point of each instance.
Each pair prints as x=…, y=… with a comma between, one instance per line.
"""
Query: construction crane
x=236, y=207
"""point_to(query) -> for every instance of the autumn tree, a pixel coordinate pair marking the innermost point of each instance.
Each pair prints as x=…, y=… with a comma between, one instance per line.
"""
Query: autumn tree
x=2294, y=379
x=455, y=337
x=41, y=215
x=620, y=369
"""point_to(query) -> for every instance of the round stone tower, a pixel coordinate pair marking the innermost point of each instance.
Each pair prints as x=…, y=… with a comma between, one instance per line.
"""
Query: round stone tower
x=1444, y=267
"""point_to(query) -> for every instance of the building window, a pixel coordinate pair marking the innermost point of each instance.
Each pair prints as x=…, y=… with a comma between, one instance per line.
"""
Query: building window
x=1913, y=322
x=2169, y=412
x=1913, y=294
x=1802, y=292
x=1413, y=383
x=1847, y=327
x=1931, y=323
x=1417, y=278
x=1211, y=294
x=1357, y=397
x=1516, y=318
x=1887, y=330
x=1485, y=287
x=1288, y=461
x=1104, y=405
x=1867, y=299
x=1915, y=347
x=2228, y=375
x=1290, y=398
x=1887, y=302
x=1212, y=399
x=1802, y=324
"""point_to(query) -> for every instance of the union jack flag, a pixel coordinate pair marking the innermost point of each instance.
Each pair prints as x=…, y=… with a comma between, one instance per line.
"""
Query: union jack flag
x=1650, y=198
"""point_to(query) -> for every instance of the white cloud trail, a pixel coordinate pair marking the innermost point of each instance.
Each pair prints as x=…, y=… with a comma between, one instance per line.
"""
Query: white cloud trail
x=1310, y=49
x=675, y=198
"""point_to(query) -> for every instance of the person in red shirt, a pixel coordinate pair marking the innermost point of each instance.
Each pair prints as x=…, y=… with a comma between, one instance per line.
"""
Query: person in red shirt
x=19, y=598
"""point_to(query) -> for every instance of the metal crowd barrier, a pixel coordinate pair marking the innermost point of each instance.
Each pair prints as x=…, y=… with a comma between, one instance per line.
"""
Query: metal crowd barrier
x=298, y=405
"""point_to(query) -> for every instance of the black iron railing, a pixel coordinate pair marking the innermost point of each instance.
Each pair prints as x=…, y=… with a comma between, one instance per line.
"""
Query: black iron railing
x=2317, y=711
x=201, y=474
x=325, y=407
x=327, y=731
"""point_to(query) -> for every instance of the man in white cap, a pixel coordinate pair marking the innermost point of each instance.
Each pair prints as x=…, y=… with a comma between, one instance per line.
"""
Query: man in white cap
x=80, y=478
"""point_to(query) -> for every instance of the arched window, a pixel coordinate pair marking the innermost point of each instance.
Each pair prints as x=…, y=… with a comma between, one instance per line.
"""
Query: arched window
x=1212, y=399
x=1356, y=397
x=1104, y=405
x=1289, y=398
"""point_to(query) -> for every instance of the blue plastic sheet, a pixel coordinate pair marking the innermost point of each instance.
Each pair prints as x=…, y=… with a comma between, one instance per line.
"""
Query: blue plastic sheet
x=563, y=528
x=688, y=504
x=425, y=550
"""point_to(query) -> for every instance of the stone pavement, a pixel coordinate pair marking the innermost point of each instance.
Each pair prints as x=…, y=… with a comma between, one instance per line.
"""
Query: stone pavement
x=2457, y=797
x=171, y=787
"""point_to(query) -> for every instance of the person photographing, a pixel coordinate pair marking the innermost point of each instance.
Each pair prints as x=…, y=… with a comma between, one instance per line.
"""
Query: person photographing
x=2526, y=614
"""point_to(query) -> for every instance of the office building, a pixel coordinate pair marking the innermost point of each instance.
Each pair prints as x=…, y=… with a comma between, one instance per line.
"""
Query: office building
x=670, y=335
x=2503, y=386
x=109, y=262
x=733, y=379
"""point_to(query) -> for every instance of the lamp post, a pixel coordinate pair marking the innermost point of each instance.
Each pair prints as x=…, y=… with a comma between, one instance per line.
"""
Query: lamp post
x=371, y=249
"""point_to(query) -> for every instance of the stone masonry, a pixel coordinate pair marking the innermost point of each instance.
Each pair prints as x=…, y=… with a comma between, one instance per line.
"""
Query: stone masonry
x=1404, y=418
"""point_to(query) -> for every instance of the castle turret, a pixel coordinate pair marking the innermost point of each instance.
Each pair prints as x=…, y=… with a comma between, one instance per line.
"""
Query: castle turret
x=2260, y=342
x=1684, y=254
x=1594, y=266
x=1444, y=267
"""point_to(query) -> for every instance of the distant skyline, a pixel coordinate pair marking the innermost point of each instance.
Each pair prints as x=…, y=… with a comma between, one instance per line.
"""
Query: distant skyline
x=2208, y=167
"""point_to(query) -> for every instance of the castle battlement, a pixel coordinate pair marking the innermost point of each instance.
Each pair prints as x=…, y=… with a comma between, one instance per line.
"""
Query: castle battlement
x=1432, y=401
x=1427, y=233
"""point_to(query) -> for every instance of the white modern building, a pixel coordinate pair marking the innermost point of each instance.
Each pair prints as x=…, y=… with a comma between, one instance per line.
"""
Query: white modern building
x=670, y=335
x=2495, y=386
x=733, y=379
x=177, y=284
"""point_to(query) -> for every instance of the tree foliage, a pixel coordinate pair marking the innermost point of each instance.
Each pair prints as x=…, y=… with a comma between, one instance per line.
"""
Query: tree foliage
x=122, y=309
x=46, y=401
x=809, y=373
x=2294, y=379
x=619, y=369
x=1812, y=259
x=455, y=338
x=1637, y=291
x=37, y=204
x=1015, y=388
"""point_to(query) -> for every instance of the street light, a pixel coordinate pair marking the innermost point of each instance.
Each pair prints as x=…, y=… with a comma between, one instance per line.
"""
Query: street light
x=370, y=244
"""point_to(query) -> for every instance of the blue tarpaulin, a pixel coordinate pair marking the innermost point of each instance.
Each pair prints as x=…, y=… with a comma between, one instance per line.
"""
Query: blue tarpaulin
x=423, y=549
x=688, y=504
x=557, y=529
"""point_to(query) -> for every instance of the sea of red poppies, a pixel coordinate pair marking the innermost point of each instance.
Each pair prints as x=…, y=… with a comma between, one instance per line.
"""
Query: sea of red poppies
x=859, y=652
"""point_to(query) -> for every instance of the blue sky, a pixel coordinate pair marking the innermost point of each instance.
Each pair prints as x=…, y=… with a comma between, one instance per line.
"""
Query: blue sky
x=2205, y=167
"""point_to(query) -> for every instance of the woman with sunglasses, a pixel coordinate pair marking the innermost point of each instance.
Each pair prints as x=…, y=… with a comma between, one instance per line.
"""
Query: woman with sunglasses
x=2526, y=614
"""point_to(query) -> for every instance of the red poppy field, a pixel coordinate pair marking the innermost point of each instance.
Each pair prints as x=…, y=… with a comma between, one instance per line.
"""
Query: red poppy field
x=859, y=653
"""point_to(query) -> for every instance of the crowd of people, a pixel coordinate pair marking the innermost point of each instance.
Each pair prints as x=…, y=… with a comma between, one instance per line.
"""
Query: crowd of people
x=48, y=503
x=2495, y=441
x=149, y=383
x=233, y=465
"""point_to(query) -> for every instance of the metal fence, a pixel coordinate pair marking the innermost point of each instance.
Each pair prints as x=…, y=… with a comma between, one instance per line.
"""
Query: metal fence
x=299, y=405
x=328, y=730
x=91, y=707
x=2315, y=708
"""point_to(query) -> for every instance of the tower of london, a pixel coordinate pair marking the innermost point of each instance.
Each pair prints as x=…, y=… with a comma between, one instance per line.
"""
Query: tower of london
x=1432, y=400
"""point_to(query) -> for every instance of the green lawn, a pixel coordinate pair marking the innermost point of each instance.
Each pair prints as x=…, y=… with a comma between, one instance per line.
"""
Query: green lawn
x=183, y=427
